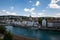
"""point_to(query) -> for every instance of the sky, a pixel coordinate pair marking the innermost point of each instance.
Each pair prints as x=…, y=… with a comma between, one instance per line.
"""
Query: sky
x=35, y=8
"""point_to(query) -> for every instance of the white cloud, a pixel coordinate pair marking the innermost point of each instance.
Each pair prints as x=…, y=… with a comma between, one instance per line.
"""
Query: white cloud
x=4, y=10
x=33, y=13
x=53, y=4
x=44, y=15
x=32, y=9
x=26, y=15
x=14, y=13
x=47, y=15
x=26, y=10
x=57, y=15
x=0, y=12
x=11, y=8
x=40, y=14
x=29, y=10
x=37, y=3
x=10, y=13
x=54, y=1
x=30, y=1
x=43, y=10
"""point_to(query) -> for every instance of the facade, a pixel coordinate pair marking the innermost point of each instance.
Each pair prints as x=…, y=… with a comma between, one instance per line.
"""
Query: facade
x=24, y=21
x=43, y=23
x=51, y=23
x=54, y=23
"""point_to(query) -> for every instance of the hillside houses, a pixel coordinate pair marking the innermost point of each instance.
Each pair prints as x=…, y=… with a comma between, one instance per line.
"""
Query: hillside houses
x=22, y=21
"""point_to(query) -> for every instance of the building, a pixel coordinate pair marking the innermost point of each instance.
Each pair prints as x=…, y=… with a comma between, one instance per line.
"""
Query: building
x=20, y=20
x=55, y=23
x=51, y=23
x=44, y=23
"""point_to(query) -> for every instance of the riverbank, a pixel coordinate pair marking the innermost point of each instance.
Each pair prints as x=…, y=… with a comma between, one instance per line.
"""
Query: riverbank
x=52, y=29
x=22, y=38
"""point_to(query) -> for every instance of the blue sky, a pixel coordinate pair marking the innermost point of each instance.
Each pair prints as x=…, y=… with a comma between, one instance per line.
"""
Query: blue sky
x=35, y=8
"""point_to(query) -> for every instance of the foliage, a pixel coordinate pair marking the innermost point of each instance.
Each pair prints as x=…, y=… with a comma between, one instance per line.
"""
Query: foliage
x=2, y=22
x=40, y=20
x=8, y=36
x=2, y=29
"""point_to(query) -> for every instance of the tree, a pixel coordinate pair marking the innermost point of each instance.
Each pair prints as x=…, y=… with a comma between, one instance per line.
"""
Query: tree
x=2, y=29
x=8, y=36
x=40, y=20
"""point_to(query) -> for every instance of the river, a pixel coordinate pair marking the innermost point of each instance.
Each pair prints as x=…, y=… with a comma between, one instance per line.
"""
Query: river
x=39, y=34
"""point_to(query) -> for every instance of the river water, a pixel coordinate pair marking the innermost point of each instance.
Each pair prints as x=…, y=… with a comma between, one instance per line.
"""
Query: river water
x=38, y=34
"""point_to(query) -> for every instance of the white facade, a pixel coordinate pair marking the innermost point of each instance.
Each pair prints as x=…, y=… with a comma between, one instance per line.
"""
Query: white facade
x=35, y=23
x=44, y=23
x=29, y=23
x=50, y=24
x=56, y=24
x=26, y=23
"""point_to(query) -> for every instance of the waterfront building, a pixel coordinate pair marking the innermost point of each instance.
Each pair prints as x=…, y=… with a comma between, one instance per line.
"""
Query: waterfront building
x=43, y=23
x=51, y=23
x=55, y=23
x=18, y=20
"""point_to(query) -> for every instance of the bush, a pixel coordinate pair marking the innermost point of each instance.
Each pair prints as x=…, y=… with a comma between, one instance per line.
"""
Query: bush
x=8, y=36
x=40, y=21
x=2, y=29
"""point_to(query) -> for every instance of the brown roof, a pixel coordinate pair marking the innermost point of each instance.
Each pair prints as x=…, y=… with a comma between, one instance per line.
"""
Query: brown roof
x=54, y=20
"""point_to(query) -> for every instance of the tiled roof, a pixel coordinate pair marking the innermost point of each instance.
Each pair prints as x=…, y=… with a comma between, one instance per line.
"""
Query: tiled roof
x=54, y=20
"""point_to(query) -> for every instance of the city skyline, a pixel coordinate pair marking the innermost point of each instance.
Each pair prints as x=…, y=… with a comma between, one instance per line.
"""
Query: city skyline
x=35, y=8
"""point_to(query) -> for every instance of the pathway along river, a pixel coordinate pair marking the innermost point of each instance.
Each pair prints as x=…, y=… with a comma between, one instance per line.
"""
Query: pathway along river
x=39, y=34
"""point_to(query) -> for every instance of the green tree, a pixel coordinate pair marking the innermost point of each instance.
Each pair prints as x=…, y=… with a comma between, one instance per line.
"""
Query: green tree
x=8, y=36
x=40, y=20
x=2, y=29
